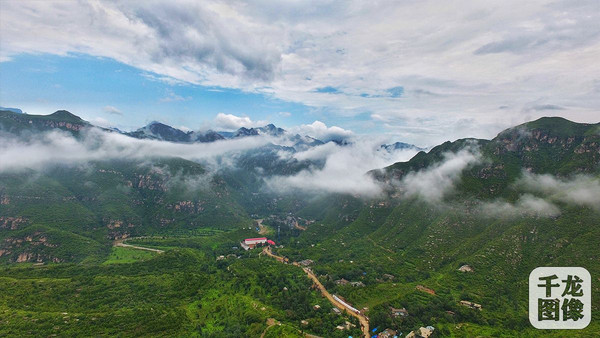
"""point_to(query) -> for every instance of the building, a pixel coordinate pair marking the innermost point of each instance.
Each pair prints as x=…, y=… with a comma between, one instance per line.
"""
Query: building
x=251, y=243
x=399, y=312
x=471, y=305
x=306, y=262
x=465, y=268
x=423, y=332
x=345, y=304
x=425, y=289
x=387, y=333
x=387, y=276
x=341, y=282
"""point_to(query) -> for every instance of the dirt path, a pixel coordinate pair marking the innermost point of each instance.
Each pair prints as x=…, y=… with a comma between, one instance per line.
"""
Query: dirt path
x=364, y=321
x=270, y=322
x=381, y=247
x=121, y=243
x=263, y=229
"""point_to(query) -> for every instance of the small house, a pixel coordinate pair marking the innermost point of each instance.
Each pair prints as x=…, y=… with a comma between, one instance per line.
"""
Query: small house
x=471, y=305
x=465, y=268
x=387, y=333
x=399, y=312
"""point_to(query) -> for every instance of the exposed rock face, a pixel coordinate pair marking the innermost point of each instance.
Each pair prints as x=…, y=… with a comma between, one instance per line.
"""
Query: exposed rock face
x=187, y=206
x=4, y=200
x=12, y=223
x=27, y=249
x=116, y=223
x=149, y=182
x=64, y=125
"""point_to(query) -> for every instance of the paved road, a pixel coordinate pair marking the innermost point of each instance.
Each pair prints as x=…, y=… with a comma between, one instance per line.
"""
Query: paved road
x=364, y=321
x=121, y=243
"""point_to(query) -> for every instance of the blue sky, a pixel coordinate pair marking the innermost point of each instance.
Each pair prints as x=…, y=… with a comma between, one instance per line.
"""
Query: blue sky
x=420, y=72
x=86, y=85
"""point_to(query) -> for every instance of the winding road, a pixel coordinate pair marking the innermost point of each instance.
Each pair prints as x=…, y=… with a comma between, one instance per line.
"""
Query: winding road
x=364, y=320
x=121, y=243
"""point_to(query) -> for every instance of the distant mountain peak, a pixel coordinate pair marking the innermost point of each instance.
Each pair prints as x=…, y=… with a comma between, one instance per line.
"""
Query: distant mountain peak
x=65, y=115
x=400, y=146
x=243, y=131
x=272, y=130
x=14, y=110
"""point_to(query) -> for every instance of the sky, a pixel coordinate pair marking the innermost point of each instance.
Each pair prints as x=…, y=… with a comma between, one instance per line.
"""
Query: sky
x=420, y=72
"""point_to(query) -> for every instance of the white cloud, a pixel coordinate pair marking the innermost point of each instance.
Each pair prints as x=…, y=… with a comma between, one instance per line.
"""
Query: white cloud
x=101, y=122
x=437, y=180
x=172, y=97
x=579, y=190
x=344, y=171
x=284, y=114
x=483, y=62
x=319, y=130
x=232, y=122
x=112, y=110
x=58, y=147
x=526, y=205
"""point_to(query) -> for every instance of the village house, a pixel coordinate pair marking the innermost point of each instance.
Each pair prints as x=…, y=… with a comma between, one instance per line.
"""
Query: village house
x=425, y=289
x=387, y=333
x=306, y=262
x=251, y=243
x=387, y=276
x=357, y=284
x=422, y=332
x=471, y=305
x=465, y=268
x=341, y=282
x=398, y=312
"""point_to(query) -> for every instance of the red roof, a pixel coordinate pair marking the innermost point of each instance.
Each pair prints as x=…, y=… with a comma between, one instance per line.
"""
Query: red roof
x=256, y=239
x=270, y=242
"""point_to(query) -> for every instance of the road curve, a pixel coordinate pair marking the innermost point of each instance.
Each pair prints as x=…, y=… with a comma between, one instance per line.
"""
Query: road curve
x=364, y=321
x=121, y=243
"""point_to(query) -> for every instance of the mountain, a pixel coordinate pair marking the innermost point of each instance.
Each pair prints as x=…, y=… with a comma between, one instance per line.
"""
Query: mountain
x=159, y=131
x=272, y=130
x=243, y=132
x=549, y=145
x=14, y=110
x=207, y=136
x=503, y=207
x=511, y=209
x=18, y=123
x=400, y=146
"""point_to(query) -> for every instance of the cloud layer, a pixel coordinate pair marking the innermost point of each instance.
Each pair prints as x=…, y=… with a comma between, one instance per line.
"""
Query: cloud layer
x=344, y=171
x=579, y=190
x=433, y=183
x=423, y=70
x=58, y=147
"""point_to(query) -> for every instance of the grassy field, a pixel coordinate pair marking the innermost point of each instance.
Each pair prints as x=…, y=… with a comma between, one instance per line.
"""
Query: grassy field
x=128, y=255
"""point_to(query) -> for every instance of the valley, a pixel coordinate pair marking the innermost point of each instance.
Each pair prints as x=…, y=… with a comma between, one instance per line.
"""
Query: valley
x=150, y=246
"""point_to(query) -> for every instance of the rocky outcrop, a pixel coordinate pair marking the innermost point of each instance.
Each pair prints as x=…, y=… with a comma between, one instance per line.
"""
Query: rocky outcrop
x=12, y=223
x=187, y=207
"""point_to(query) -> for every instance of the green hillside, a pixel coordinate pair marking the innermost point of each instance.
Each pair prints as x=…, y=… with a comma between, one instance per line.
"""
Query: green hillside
x=519, y=201
x=424, y=243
